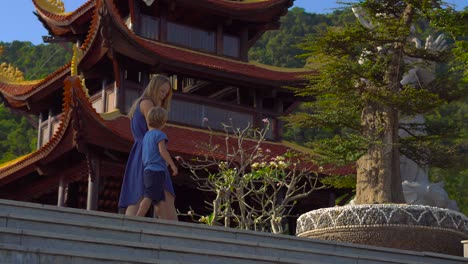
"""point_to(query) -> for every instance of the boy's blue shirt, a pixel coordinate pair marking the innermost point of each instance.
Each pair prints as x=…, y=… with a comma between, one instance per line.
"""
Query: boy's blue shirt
x=152, y=159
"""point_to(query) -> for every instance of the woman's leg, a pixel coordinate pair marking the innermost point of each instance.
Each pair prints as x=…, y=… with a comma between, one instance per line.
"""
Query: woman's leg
x=167, y=208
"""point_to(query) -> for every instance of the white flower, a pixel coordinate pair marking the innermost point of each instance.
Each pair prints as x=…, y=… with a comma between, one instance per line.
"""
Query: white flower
x=282, y=164
x=265, y=120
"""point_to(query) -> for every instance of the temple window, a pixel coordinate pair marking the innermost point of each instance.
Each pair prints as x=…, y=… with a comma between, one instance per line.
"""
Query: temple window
x=231, y=46
x=191, y=37
x=149, y=27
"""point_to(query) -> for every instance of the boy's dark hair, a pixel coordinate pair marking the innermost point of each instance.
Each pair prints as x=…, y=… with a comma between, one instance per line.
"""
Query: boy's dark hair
x=157, y=117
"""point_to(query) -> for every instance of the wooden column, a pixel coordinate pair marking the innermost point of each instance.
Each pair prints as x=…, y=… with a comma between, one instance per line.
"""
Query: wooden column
x=244, y=48
x=135, y=17
x=93, y=181
x=119, y=90
x=258, y=105
x=39, y=132
x=103, y=97
x=277, y=126
x=219, y=40
x=49, y=126
x=62, y=191
x=163, y=26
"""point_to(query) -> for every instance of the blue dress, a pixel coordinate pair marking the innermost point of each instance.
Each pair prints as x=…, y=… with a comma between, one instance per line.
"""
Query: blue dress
x=132, y=186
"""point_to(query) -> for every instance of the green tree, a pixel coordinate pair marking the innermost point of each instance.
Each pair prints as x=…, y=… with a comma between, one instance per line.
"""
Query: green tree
x=358, y=89
x=279, y=47
x=18, y=134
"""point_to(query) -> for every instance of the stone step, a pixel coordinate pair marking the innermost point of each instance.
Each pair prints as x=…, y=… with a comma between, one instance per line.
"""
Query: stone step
x=71, y=221
x=158, y=252
x=67, y=226
x=14, y=254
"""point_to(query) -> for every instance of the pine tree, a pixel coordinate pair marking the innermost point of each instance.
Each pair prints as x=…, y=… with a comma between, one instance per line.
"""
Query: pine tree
x=359, y=89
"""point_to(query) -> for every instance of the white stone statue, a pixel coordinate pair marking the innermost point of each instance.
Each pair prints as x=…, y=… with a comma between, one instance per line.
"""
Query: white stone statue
x=417, y=188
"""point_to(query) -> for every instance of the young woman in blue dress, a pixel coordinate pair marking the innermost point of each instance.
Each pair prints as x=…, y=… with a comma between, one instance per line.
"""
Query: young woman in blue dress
x=158, y=92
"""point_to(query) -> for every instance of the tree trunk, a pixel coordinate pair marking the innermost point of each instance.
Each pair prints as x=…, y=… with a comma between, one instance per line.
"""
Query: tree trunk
x=378, y=171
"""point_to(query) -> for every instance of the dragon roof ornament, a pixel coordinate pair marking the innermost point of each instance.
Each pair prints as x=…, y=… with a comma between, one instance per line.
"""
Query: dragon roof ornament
x=52, y=6
x=9, y=73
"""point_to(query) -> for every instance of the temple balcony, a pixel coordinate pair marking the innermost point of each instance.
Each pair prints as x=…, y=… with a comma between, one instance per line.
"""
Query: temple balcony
x=185, y=109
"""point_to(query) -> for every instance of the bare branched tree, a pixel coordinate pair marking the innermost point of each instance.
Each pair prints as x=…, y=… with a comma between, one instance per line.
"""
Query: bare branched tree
x=253, y=188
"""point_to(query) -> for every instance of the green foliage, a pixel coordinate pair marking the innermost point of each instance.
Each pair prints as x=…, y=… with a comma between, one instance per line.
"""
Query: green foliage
x=279, y=47
x=341, y=181
x=35, y=62
x=18, y=136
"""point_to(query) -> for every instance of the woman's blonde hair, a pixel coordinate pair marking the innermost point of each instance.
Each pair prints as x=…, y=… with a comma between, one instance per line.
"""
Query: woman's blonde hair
x=157, y=117
x=151, y=92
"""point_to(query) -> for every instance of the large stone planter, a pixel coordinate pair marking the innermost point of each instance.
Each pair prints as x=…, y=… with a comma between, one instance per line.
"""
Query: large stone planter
x=411, y=227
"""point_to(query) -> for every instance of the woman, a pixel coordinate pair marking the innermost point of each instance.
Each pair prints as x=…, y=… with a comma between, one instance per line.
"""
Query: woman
x=157, y=93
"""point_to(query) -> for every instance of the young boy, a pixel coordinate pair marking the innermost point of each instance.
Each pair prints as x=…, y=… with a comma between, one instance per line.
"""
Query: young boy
x=158, y=187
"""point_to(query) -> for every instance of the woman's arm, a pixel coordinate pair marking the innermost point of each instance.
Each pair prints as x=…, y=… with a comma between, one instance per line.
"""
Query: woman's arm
x=167, y=157
x=145, y=106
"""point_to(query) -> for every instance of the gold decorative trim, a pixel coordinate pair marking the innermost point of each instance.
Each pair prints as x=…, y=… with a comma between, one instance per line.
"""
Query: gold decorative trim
x=77, y=55
x=111, y=115
x=9, y=73
x=52, y=6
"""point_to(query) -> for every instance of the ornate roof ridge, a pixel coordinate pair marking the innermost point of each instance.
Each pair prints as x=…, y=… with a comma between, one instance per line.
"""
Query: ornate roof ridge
x=47, y=11
x=24, y=88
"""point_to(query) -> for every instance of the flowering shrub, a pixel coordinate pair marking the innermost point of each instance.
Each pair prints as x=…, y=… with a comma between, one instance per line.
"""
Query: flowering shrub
x=253, y=189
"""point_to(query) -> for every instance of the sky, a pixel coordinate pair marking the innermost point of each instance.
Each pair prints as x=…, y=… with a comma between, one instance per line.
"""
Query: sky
x=17, y=21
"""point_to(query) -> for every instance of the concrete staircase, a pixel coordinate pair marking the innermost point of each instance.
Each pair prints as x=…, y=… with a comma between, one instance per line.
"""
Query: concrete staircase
x=33, y=233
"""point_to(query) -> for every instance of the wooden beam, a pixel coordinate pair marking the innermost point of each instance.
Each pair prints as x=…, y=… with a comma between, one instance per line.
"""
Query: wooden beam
x=222, y=92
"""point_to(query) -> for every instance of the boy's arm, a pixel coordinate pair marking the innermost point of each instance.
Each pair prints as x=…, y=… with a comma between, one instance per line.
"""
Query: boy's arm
x=167, y=157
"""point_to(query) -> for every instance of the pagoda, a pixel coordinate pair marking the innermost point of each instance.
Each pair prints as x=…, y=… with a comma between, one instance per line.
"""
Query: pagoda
x=83, y=133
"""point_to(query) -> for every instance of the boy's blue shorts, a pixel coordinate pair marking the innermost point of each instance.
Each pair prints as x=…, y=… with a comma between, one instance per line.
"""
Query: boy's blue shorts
x=154, y=185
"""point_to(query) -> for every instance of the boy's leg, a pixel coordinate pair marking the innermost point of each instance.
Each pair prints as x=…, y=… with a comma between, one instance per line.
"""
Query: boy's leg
x=132, y=209
x=167, y=207
x=144, y=206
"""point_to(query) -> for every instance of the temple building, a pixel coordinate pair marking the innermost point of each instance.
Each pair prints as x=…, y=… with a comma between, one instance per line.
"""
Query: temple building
x=84, y=134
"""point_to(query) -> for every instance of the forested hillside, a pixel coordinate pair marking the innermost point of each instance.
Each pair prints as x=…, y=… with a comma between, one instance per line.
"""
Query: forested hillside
x=18, y=133
x=279, y=48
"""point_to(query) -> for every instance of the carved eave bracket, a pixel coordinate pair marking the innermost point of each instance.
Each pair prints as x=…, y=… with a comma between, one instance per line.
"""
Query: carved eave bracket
x=106, y=29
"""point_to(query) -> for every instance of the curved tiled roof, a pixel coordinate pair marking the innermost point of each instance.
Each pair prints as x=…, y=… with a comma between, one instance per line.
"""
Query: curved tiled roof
x=252, y=10
x=60, y=23
x=7, y=170
x=21, y=90
x=65, y=138
x=193, y=61
x=185, y=141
